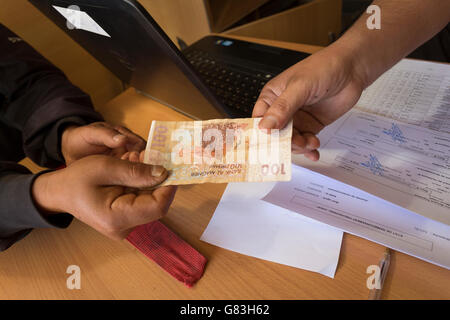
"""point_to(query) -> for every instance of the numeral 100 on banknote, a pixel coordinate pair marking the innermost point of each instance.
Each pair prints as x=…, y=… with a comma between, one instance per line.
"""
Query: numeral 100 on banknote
x=223, y=150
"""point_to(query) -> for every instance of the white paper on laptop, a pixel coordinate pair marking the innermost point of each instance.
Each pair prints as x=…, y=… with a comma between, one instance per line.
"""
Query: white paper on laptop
x=395, y=143
x=78, y=19
x=360, y=213
x=243, y=223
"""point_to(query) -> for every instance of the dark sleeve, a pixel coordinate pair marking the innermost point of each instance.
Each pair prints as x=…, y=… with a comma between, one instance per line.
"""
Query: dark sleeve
x=18, y=213
x=36, y=103
x=38, y=100
x=435, y=49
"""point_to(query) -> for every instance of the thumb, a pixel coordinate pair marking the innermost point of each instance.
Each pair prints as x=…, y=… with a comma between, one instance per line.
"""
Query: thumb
x=104, y=136
x=128, y=174
x=281, y=111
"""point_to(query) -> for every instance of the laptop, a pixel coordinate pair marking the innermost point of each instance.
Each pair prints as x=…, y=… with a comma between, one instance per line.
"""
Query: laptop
x=216, y=77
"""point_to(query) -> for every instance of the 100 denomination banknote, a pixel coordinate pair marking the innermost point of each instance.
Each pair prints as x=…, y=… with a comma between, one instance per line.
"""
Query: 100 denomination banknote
x=218, y=151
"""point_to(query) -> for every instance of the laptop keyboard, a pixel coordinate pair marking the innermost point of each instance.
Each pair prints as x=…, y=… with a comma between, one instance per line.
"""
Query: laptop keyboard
x=236, y=87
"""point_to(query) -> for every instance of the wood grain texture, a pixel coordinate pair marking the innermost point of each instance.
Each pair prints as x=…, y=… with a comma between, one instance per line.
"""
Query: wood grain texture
x=36, y=266
x=192, y=20
x=308, y=23
x=226, y=13
x=185, y=19
x=54, y=44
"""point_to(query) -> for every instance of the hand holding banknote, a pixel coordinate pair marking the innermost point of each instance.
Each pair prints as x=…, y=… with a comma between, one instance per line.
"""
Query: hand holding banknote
x=219, y=151
x=104, y=192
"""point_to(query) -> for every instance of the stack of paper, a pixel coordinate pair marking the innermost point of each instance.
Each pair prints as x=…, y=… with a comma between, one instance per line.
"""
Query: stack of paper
x=394, y=145
x=360, y=213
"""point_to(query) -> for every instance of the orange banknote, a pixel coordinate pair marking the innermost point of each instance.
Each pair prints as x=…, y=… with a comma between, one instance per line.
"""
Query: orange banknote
x=219, y=151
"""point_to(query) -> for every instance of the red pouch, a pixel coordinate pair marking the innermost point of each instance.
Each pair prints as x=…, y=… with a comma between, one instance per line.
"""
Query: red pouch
x=169, y=251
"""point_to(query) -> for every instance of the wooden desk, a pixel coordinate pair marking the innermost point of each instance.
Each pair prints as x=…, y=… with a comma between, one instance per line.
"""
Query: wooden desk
x=36, y=266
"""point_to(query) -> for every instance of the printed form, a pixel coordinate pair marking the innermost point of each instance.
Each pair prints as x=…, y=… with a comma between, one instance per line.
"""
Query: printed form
x=357, y=212
x=395, y=144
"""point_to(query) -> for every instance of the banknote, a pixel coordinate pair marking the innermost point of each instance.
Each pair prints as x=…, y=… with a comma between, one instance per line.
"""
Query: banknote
x=219, y=151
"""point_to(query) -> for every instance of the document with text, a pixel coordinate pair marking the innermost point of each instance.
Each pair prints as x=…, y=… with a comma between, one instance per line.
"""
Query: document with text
x=395, y=144
x=357, y=212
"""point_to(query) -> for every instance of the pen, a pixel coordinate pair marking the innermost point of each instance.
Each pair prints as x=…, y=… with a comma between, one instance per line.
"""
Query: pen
x=375, y=294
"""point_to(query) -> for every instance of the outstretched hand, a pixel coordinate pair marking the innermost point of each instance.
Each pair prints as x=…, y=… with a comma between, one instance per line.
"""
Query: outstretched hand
x=314, y=93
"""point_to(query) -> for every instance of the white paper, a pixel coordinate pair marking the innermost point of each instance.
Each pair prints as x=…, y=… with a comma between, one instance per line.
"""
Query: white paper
x=396, y=143
x=81, y=20
x=360, y=213
x=243, y=223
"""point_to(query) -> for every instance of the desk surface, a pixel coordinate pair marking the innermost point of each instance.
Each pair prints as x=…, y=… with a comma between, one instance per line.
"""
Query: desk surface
x=35, y=268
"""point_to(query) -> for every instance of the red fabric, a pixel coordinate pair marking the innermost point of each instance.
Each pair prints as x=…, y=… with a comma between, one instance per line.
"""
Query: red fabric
x=170, y=252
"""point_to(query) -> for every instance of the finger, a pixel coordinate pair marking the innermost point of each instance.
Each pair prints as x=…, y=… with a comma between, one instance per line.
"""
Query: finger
x=102, y=124
x=144, y=207
x=265, y=100
x=313, y=155
x=298, y=150
x=298, y=141
x=103, y=136
x=118, y=152
x=136, y=209
x=260, y=108
x=134, y=156
x=312, y=142
x=112, y=171
x=142, y=156
x=126, y=156
x=164, y=196
x=283, y=108
x=134, y=142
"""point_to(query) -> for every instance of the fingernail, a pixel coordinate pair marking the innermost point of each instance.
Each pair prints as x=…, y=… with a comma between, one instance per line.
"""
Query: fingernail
x=134, y=156
x=118, y=137
x=268, y=122
x=295, y=149
x=157, y=171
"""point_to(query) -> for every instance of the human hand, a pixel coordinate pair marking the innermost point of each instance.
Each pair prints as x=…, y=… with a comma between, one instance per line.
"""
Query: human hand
x=104, y=192
x=314, y=93
x=98, y=138
x=134, y=156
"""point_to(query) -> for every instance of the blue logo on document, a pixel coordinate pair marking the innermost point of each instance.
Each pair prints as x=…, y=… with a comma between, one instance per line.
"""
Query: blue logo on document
x=374, y=165
x=396, y=133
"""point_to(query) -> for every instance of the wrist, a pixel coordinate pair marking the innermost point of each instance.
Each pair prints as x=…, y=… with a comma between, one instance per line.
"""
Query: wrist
x=352, y=57
x=44, y=196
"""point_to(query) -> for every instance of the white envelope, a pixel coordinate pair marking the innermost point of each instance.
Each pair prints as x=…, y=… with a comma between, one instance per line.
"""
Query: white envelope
x=245, y=224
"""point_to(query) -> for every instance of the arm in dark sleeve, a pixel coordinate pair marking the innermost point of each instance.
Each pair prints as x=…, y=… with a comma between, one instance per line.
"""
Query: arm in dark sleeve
x=38, y=100
x=36, y=103
x=18, y=212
